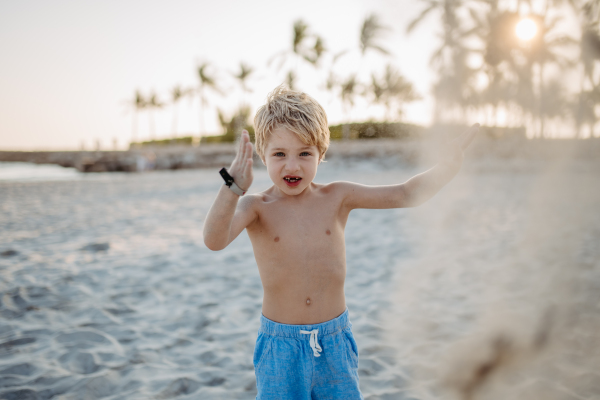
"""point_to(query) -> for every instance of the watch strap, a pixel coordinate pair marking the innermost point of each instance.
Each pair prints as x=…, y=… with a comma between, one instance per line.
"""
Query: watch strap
x=230, y=183
x=236, y=189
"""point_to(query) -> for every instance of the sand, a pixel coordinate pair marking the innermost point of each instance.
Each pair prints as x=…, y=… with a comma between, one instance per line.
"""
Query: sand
x=490, y=290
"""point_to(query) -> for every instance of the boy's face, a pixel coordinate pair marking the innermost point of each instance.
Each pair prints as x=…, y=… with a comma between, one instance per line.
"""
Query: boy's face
x=292, y=165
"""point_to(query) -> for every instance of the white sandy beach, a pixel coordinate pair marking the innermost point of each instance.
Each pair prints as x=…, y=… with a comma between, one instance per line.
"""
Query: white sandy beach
x=489, y=291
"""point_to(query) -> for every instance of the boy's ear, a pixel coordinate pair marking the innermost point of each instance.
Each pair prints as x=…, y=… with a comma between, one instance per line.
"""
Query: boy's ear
x=263, y=161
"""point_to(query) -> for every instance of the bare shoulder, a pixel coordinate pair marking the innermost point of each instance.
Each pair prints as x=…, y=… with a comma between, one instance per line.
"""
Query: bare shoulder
x=249, y=202
x=339, y=187
x=264, y=197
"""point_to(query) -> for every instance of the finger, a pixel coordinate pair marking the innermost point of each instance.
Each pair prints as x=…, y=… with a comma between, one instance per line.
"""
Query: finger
x=249, y=167
x=244, y=158
x=247, y=150
x=467, y=137
x=246, y=174
x=250, y=150
x=241, y=146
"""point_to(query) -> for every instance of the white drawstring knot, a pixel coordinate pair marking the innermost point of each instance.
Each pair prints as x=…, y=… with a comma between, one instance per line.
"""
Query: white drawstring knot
x=314, y=343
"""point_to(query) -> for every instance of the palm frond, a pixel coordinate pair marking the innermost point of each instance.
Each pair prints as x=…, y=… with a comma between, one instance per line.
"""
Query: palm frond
x=290, y=80
x=139, y=101
x=370, y=31
x=275, y=56
x=413, y=24
x=349, y=88
x=338, y=55
x=300, y=34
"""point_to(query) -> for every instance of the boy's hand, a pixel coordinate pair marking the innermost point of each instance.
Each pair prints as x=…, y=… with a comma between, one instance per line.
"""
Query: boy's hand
x=241, y=167
x=453, y=154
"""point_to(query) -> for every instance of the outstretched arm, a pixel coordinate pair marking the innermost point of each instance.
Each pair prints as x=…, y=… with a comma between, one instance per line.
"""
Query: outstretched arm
x=418, y=189
x=230, y=215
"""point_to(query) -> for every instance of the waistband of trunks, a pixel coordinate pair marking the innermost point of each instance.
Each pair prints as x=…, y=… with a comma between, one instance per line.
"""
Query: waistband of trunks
x=335, y=325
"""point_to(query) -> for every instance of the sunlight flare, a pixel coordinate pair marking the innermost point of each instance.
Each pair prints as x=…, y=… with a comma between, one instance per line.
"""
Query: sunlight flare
x=526, y=29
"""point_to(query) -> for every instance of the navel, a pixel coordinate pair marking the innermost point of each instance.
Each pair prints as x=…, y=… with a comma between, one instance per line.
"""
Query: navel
x=328, y=232
x=276, y=239
x=308, y=302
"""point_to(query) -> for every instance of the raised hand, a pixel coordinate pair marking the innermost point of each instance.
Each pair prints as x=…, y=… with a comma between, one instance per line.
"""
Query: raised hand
x=453, y=153
x=241, y=167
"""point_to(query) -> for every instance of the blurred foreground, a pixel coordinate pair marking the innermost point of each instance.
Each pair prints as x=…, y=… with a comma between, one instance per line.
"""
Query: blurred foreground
x=489, y=291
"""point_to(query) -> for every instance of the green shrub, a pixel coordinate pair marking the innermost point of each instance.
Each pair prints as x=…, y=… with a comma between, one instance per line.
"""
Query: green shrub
x=228, y=137
x=185, y=141
x=375, y=130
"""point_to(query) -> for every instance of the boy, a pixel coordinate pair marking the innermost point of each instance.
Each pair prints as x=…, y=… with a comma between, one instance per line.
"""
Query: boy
x=305, y=348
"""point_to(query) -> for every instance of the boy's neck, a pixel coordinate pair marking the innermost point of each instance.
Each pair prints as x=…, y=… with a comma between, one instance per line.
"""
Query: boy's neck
x=305, y=193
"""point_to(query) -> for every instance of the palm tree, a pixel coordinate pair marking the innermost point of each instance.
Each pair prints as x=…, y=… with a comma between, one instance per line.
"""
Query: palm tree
x=316, y=52
x=589, y=55
x=349, y=89
x=331, y=84
x=177, y=93
x=300, y=34
x=591, y=11
x=377, y=89
x=393, y=91
x=454, y=88
x=543, y=50
x=370, y=31
x=238, y=121
x=138, y=104
x=590, y=52
x=585, y=110
x=242, y=77
x=152, y=104
x=207, y=81
x=290, y=80
x=299, y=37
x=495, y=30
x=301, y=48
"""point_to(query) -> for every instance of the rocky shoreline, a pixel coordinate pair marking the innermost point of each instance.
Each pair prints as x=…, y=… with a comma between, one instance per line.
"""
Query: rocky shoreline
x=407, y=151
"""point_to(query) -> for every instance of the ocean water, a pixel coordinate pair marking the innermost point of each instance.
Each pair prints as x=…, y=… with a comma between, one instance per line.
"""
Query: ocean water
x=108, y=292
x=21, y=171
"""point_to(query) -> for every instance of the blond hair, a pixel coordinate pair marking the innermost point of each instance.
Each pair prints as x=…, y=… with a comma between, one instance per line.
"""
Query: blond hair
x=295, y=111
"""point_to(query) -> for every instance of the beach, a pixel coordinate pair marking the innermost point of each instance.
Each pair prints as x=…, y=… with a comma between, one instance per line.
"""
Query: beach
x=490, y=290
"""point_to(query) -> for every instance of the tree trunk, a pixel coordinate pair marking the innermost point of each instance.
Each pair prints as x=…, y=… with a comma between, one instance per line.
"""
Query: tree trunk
x=152, y=127
x=134, y=126
x=174, y=127
x=201, y=113
x=541, y=100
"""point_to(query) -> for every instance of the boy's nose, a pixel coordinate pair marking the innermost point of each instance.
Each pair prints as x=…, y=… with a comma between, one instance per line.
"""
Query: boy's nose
x=292, y=165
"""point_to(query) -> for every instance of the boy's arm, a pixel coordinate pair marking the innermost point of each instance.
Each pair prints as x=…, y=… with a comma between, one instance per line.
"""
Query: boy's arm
x=230, y=215
x=418, y=189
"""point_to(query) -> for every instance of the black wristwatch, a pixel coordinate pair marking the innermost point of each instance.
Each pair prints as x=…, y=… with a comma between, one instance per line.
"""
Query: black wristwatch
x=230, y=183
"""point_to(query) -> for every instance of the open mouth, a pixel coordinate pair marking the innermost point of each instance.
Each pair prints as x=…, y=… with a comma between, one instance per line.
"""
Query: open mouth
x=292, y=180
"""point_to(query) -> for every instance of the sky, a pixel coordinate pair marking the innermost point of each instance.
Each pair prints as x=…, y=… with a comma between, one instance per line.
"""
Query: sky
x=70, y=68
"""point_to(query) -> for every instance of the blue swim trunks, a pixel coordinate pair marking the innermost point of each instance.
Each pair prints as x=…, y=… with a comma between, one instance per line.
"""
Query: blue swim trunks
x=317, y=361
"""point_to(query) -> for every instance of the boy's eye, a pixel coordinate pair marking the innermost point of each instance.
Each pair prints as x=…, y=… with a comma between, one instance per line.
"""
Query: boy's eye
x=305, y=153
x=279, y=154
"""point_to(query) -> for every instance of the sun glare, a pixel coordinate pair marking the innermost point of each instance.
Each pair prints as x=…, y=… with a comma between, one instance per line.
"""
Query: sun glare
x=526, y=29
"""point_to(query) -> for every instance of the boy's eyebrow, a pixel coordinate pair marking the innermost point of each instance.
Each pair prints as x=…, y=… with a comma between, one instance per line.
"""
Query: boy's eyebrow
x=282, y=148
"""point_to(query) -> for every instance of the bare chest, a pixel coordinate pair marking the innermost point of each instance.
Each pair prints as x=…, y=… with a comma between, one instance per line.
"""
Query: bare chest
x=299, y=230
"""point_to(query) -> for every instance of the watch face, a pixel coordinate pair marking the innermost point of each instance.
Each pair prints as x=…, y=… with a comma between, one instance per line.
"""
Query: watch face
x=226, y=177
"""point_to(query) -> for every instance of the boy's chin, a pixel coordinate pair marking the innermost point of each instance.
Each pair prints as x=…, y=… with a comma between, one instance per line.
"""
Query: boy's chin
x=293, y=191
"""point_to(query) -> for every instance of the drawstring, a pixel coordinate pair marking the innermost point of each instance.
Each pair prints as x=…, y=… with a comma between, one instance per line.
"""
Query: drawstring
x=314, y=344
